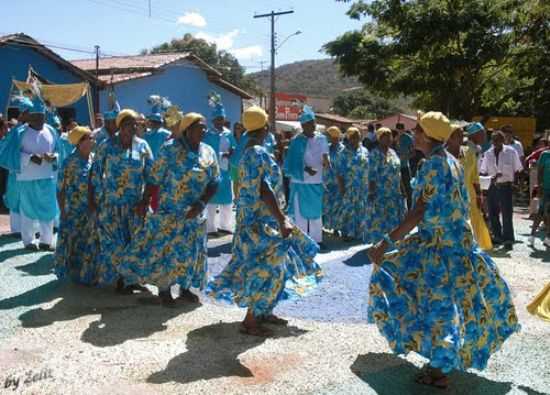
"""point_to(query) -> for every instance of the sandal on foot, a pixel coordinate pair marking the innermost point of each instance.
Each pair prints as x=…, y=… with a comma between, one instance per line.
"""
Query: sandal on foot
x=274, y=320
x=257, y=330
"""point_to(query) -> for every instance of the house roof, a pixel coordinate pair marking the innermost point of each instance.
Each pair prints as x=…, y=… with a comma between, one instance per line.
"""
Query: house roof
x=24, y=40
x=335, y=118
x=118, y=69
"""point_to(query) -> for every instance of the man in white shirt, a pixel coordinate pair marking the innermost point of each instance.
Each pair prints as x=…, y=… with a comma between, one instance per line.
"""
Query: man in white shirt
x=513, y=142
x=306, y=158
x=502, y=163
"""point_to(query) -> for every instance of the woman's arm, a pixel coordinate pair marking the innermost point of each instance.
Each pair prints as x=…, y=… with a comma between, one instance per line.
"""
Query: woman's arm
x=269, y=198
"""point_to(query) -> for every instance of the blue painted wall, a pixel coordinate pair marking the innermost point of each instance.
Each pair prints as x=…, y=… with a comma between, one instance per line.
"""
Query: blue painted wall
x=14, y=63
x=185, y=84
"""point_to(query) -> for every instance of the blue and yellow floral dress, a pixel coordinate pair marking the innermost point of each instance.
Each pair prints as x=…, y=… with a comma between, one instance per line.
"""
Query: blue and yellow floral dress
x=438, y=294
x=353, y=167
x=331, y=200
x=171, y=249
x=77, y=243
x=386, y=202
x=265, y=267
x=119, y=177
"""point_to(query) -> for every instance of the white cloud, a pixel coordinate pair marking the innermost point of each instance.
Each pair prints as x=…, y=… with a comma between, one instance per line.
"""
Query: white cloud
x=192, y=19
x=222, y=41
x=247, y=53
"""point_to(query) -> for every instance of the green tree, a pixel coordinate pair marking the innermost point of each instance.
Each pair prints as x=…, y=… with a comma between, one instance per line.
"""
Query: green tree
x=448, y=54
x=360, y=104
x=223, y=61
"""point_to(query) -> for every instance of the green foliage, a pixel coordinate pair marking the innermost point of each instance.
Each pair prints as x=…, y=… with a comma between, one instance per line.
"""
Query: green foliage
x=360, y=104
x=463, y=57
x=223, y=61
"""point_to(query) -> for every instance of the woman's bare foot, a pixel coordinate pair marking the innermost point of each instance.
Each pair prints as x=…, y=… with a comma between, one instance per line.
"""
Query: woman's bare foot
x=433, y=377
x=188, y=296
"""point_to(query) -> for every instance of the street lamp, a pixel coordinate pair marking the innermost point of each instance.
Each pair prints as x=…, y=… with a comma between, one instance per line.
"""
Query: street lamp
x=286, y=39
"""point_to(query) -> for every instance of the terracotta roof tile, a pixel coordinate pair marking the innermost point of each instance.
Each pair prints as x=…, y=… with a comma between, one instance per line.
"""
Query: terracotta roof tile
x=131, y=62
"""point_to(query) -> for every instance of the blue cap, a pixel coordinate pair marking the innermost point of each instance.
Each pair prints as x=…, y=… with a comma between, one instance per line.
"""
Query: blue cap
x=219, y=111
x=473, y=128
x=110, y=115
x=38, y=106
x=22, y=103
x=307, y=115
x=156, y=113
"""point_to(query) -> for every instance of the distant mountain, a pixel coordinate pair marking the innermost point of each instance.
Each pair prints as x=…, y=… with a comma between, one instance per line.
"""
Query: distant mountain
x=308, y=77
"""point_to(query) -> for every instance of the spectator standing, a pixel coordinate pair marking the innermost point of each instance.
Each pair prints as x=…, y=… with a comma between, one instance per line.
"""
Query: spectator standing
x=502, y=163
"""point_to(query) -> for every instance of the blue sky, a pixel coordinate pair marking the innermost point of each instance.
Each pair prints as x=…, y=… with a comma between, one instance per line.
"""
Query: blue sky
x=122, y=27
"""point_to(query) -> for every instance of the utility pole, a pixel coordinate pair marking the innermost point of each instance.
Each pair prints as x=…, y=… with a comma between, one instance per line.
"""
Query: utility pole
x=96, y=87
x=149, y=8
x=272, y=15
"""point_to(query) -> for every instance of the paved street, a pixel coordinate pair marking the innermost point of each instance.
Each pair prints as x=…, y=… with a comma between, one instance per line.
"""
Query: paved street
x=61, y=338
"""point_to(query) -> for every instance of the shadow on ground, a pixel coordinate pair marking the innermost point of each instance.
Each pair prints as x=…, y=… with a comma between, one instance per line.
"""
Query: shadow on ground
x=121, y=318
x=41, y=267
x=218, y=250
x=360, y=258
x=213, y=352
x=388, y=374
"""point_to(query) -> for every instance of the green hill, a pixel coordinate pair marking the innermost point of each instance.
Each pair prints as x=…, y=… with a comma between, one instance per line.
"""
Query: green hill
x=308, y=77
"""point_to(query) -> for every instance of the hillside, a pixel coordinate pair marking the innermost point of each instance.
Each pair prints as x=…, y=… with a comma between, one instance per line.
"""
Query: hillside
x=308, y=77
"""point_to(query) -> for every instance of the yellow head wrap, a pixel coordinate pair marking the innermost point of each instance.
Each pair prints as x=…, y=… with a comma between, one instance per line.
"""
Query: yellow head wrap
x=334, y=131
x=352, y=132
x=435, y=125
x=382, y=131
x=125, y=114
x=189, y=119
x=172, y=116
x=76, y=134
x=254, y=118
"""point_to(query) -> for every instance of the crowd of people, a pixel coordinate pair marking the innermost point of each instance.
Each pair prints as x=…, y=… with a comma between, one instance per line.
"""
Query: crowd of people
x=136, y=199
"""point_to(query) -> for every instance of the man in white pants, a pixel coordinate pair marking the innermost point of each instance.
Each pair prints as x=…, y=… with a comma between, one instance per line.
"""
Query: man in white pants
x=221, y=140
x=31, y=152
x=307, y=156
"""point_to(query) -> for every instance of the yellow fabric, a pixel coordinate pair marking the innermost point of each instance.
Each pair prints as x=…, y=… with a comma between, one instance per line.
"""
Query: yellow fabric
x=58, y=95
x=471, y=176
x=77, y=133
x=382, y=131
x=189, y=119
x=172, y=116
x=125, y=114
x=540, y=306
x=435, y=124
x=334, y=131
x=352, y=132
x=524, y=128
x=254, y=118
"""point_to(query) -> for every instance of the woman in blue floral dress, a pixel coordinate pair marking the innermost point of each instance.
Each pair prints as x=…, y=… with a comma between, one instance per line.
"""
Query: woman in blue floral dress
x=171, y=248
x=353, y=175
x=120, y=170
x=330, y=197
x=272, y=259
x=386, y=201
x=437, y=293
x=77, y=243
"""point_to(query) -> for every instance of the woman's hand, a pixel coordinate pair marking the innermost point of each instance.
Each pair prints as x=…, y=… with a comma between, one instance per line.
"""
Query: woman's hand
x=141, y=208
x=286, y=227
x=376, y=252
x=195, y=210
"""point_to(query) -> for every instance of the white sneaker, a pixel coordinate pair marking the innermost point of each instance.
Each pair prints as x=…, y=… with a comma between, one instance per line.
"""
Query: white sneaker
x=531, y=240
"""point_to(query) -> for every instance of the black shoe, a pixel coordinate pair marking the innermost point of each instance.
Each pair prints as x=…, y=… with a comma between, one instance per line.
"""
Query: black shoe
x=508, y=247
x=45, y=247
x=31, y=247
x=496, y=242
x=213, y=235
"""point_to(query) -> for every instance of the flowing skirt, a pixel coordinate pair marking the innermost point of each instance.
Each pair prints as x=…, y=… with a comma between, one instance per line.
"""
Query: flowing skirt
x=77, y=247
x=352, y=213
x=446, y=302
x=385, y=213
x=168, y=250
x=540, y=306
x=266, y=269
